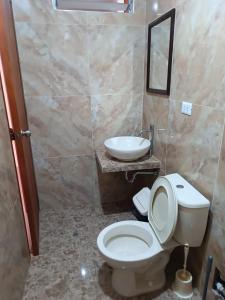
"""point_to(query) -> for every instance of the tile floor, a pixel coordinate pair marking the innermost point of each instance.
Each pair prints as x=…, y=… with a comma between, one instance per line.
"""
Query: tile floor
x=69, y=266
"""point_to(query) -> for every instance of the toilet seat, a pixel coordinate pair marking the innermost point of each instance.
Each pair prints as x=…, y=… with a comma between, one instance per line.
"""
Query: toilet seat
x=134, y=241
x=163, y=210
x=128, y=241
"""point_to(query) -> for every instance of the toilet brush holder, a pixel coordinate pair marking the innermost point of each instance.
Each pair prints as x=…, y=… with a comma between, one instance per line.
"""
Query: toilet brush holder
x=182, y=285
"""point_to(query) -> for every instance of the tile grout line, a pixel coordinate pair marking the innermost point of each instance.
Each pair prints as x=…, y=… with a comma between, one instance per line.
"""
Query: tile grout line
x=64, y=157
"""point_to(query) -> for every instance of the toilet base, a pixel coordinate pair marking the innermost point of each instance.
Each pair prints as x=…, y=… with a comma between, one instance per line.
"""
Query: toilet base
x=133, y=282
x=129, y=284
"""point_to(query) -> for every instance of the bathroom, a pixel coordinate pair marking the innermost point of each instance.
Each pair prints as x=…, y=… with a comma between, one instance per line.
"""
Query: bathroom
x=84, y=79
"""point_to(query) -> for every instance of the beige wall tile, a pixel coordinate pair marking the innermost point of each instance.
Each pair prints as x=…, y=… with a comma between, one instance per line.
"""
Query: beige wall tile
x=60, y=126
x=65, y=182
x=41, y=11
x=156, y=8
x=34, y=58
x=198, y=52
x=155, y=111
x=54, y=59
x=32, y=11
x=116, y=59
x=115, y=115
x=194, y=145
x=69, y=62
x=219, y=191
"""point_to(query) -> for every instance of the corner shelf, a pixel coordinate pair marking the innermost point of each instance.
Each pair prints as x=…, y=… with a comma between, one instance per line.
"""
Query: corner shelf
x=108, y=164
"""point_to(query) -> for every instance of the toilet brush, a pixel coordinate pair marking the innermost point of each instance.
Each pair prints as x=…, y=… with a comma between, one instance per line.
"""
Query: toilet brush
x=184, y=274
x=182, y=285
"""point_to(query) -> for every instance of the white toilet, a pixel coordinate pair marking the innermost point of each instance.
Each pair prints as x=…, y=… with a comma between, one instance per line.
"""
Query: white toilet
x=138, y=251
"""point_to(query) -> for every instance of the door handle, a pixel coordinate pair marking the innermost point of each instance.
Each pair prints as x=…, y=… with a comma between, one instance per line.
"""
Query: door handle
x=17, y=135
x=26, y=133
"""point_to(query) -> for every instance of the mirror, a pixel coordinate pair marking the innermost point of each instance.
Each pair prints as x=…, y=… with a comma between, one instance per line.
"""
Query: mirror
x=160, y=51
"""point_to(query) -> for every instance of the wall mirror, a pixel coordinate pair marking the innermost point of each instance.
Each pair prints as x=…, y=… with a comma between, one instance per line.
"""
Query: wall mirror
x=160, y=51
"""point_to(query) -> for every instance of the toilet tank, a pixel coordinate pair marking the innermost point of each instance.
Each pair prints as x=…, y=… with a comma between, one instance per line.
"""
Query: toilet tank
x=193, y=209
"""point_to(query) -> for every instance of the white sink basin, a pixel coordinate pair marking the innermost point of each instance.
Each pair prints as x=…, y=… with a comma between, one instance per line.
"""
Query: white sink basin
x=127, y=148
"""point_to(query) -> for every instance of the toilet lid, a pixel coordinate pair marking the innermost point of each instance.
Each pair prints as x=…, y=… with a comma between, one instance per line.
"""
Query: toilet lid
x=163, y=210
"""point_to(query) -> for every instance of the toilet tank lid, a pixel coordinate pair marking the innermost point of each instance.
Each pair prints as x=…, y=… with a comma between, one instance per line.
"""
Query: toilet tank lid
x=187, y=195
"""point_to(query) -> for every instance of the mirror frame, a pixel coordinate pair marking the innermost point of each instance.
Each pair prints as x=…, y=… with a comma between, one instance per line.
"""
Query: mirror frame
x=169, y=14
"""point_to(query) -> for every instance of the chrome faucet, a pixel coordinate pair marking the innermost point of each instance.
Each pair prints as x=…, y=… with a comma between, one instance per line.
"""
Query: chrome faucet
x=151, y=137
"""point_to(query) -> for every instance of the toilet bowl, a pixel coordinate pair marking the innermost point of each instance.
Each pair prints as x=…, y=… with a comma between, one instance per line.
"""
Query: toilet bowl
x=138, y=252
x=128, y=244
x=132, y=250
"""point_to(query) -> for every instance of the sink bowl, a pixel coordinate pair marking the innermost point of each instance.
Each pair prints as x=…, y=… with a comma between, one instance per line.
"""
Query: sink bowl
x=127, y=148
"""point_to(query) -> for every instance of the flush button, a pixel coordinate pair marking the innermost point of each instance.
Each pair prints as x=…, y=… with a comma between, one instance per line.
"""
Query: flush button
x=180, y=186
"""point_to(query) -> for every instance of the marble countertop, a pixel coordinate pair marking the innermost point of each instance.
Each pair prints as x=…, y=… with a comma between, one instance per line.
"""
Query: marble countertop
x=109, y=164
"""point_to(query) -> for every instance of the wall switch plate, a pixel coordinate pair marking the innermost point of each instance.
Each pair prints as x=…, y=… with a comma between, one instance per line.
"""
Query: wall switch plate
x=186, y=108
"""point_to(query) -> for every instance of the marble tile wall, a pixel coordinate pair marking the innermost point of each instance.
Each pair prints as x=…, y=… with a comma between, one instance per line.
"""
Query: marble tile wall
x=14, y=255
x=83, y=81
x=83, y=76
x=192, y=145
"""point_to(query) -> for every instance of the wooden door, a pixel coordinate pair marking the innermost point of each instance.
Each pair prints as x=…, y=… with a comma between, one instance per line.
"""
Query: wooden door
x=18, y=125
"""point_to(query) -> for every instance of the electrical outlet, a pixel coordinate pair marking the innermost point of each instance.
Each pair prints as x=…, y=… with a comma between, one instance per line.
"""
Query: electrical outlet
x=186, y=108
